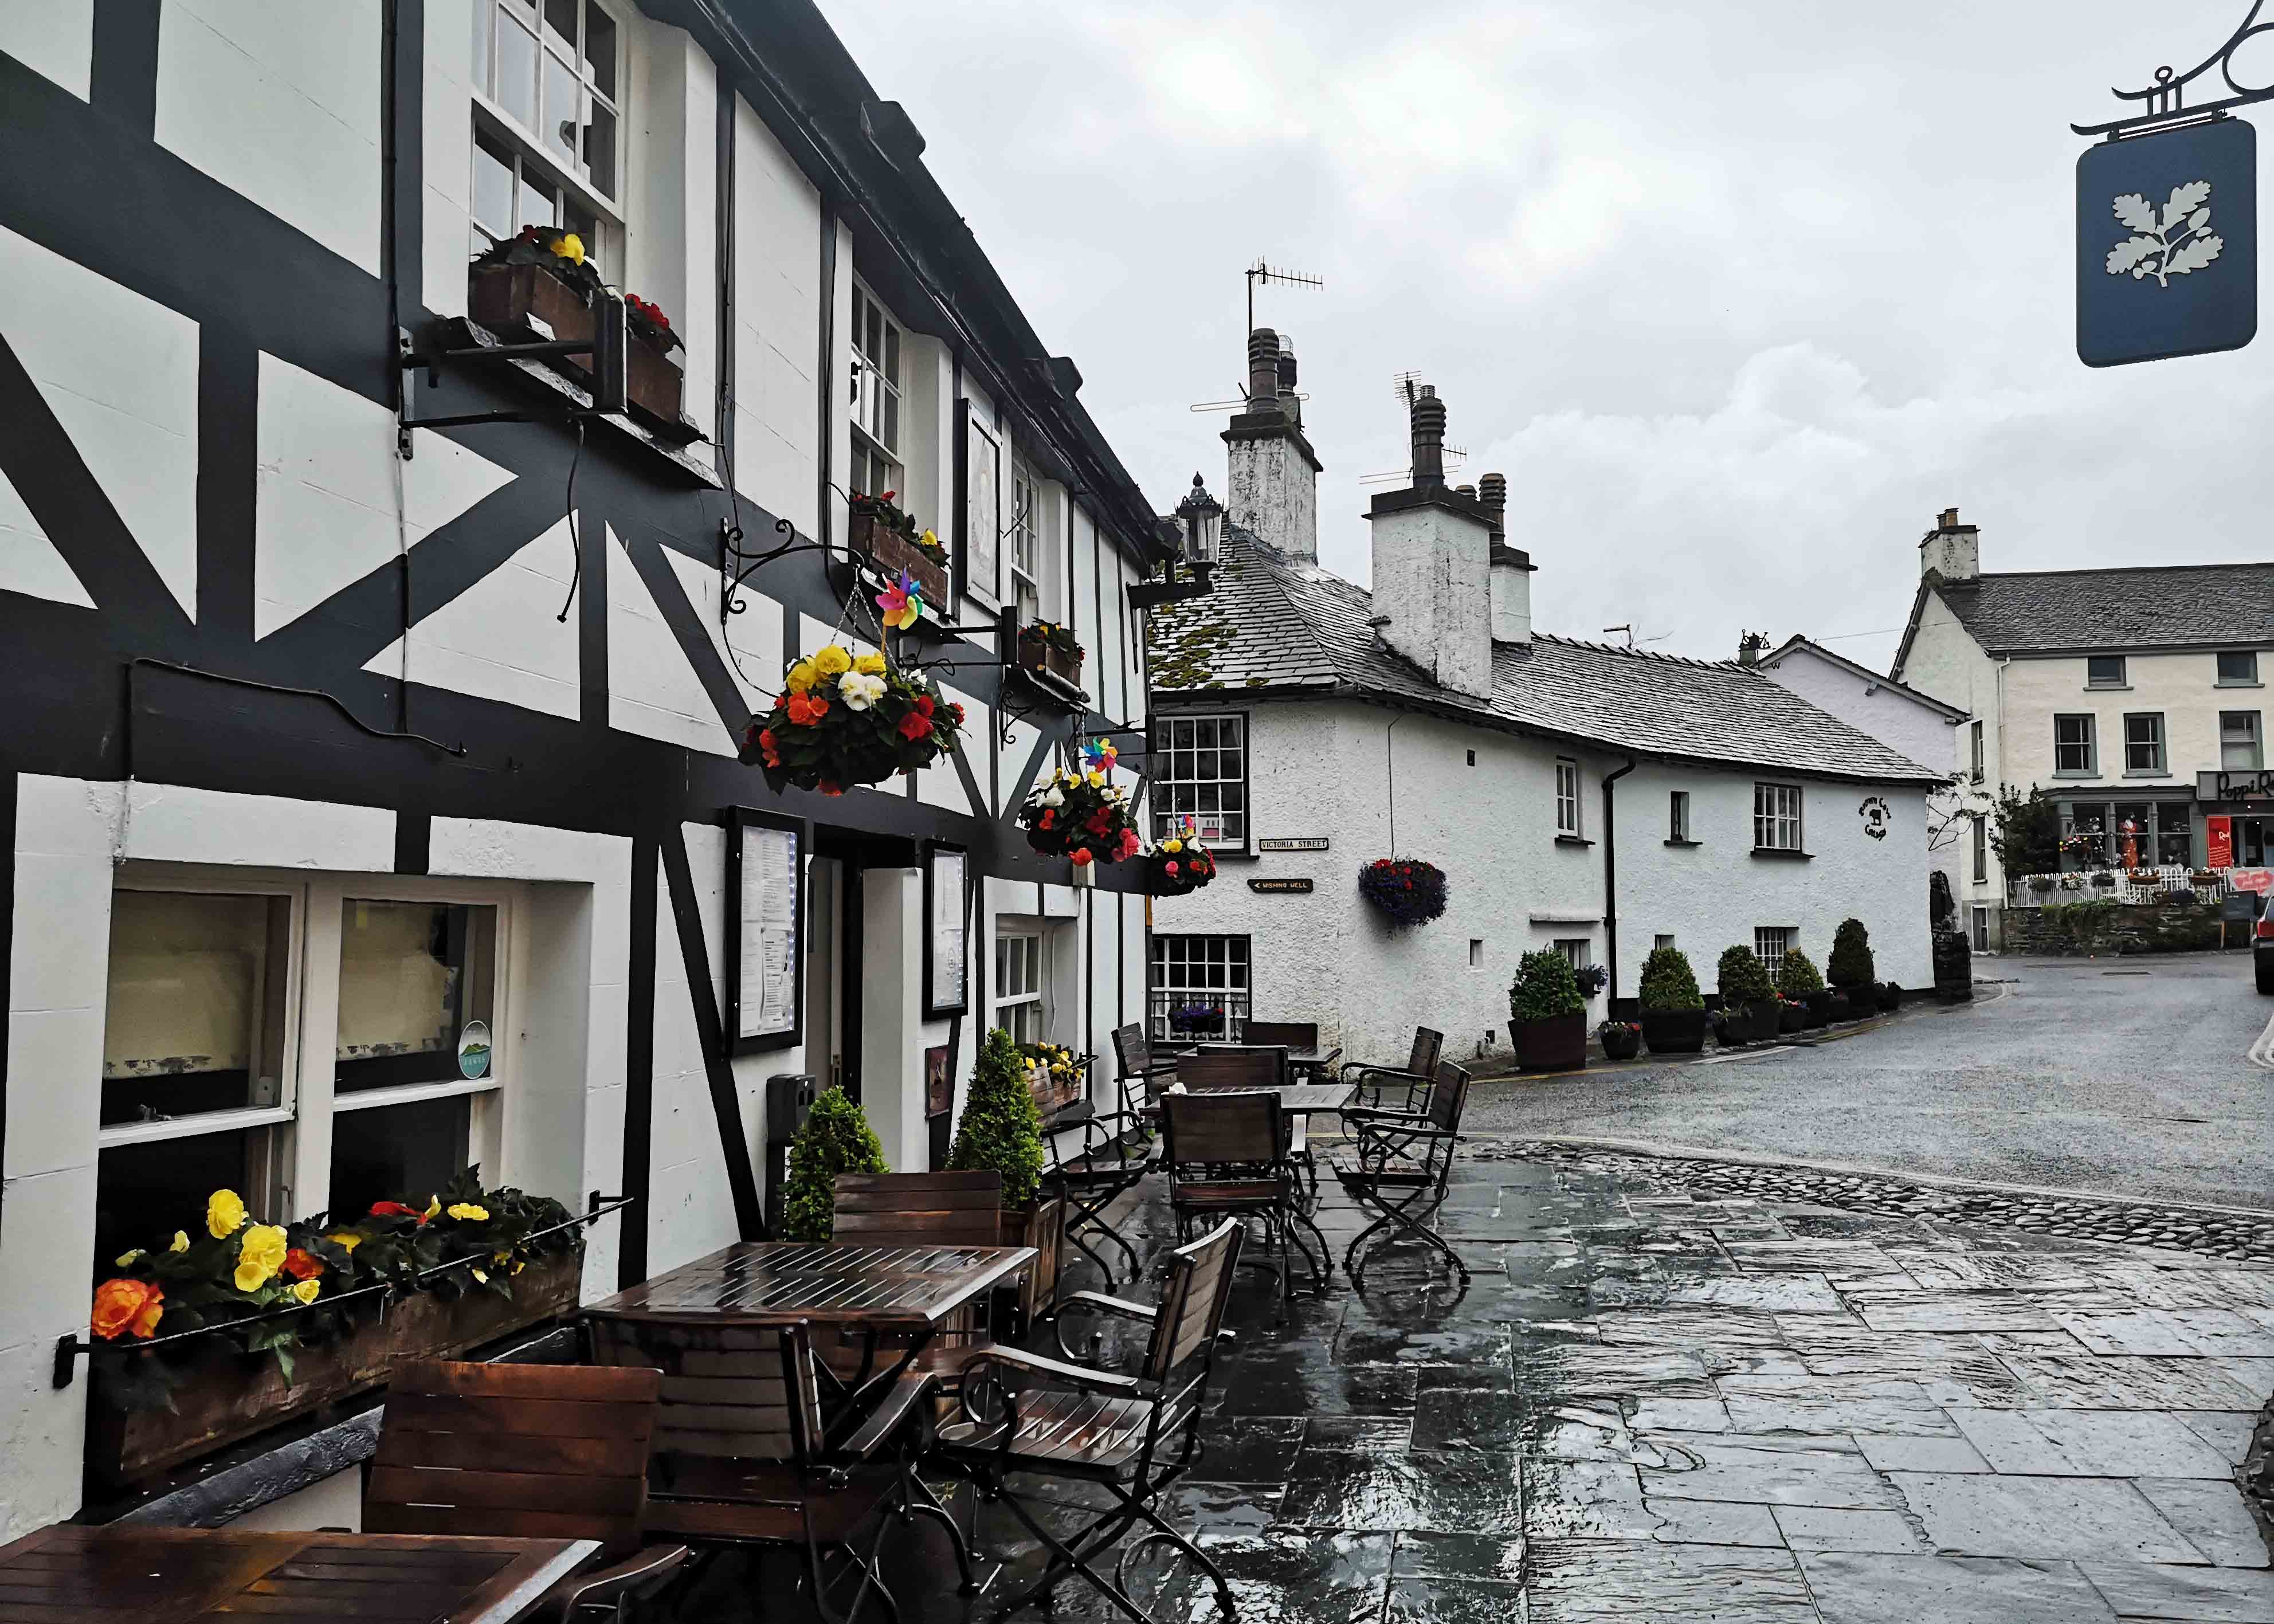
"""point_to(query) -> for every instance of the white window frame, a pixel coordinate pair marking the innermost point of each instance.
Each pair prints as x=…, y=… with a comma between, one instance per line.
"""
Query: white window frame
x=1171, y=788
x=2123, y=672
x=1772, y=943
x=1777, y=817
x=1578, y=952
x=1980, y=847
x=299, y=1151
x=1975, y=730
x=1231, y=956
x=1567, y=799
x=1029, y=537
x=878, y=402
x=1677, y=802
x=2249, y=679
x=570, y=177
x=2158, y=762
x=2250, y=741
x=2090, y=744
x=1028, y=945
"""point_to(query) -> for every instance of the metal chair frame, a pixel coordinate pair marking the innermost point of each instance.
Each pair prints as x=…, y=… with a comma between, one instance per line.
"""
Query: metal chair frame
x=1375, y=1086
x=1250, y=1177
x=1404, y=1164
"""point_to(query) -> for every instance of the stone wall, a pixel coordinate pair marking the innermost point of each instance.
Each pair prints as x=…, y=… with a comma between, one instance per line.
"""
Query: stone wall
x=2097, y=927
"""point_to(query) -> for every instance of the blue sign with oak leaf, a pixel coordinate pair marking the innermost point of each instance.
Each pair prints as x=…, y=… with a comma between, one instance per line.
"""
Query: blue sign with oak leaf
x=2167, y=245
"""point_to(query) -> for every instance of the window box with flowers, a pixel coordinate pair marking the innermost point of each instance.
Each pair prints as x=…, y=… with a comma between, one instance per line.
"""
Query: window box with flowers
x=1045, y=645
x=541, y=282
x=1056, y=1075
x=888, y=541
x=281, y=1318
x=1407, y=890
x=1082, y=816
x=843, y=719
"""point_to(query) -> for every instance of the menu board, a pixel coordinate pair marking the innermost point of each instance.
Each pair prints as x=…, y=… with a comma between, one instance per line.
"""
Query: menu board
x=946, y=919
x=767, y=863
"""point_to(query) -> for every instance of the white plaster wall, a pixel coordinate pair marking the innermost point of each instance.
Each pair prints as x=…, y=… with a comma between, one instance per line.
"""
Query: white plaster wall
x=279, y=102
x=689, y=1211
x=778, y=335
x=1903, y=725
x=1946, y=662
x=1271, y=490
x=1432, y=581
x=55, y=38
x=2181, y=686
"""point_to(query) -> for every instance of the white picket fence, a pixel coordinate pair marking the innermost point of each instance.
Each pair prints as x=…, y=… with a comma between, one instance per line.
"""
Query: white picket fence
x=2134, y=885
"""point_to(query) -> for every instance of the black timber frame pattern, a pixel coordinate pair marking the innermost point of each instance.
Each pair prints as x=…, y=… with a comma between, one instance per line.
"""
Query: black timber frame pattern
x=128, y=688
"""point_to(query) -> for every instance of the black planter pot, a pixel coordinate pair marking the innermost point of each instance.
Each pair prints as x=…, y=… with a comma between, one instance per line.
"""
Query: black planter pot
x=1819, y=1007
x=1842, y=1007
x=1731, y=1030
x=1768, y=1019
x=1890, y=995
x=1620, y=1045
x=1792, y=1017
x=1674, y=1032
x=1557, y=1044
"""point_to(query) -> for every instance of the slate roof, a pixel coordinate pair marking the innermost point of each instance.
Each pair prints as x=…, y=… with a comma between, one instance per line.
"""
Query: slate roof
x=2187, y=605
x=1278, y=624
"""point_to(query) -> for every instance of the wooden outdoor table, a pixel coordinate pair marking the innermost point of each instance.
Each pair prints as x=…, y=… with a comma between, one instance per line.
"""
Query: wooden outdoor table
x=1303, y=1100
x=171, y=1575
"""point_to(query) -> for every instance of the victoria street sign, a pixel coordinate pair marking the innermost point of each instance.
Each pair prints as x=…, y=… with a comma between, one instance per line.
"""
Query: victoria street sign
x=1293, y=843
x=2167, y=244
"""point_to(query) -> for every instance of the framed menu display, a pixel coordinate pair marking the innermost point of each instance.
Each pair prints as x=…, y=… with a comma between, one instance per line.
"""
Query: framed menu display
x=766, y=893
x=947, y=918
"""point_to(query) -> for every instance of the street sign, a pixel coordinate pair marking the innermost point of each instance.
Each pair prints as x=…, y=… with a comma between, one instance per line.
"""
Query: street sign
x=1293, y=843
x=2167, y=244
x=1286, y=887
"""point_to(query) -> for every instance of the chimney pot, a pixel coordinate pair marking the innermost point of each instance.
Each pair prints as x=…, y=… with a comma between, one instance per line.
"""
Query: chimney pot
x=1949, y=520
x=1262, y=369
x=1429, y=420
x=1271, y=473
x=1492, y=495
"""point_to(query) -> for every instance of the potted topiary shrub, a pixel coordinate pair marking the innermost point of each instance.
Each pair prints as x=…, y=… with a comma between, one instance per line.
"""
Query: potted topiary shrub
x=1002, y=1129
x=1798, y=979
x=1547, y=1017
x=836, y=1139
x=1747, y=991
x=1891, y=994
x=1672, y=1009
x=1792, y=1015
x=1851, y=972
x=1621, y=1039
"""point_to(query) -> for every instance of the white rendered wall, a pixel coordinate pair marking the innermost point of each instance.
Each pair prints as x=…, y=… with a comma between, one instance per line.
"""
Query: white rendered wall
x=1272, y=489
x=1946, y=662
x=2182, y=687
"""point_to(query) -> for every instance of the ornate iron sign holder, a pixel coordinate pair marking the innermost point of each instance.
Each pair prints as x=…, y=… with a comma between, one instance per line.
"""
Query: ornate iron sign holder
x=2166, y=99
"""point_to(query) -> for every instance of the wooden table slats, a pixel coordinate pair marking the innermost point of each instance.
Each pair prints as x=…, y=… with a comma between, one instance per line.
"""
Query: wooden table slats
x=67, y=1574
x=1303, y=1100
x=780, y=1282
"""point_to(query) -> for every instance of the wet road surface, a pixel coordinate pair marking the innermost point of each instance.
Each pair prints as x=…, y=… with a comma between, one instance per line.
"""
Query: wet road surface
x=2129, y=1076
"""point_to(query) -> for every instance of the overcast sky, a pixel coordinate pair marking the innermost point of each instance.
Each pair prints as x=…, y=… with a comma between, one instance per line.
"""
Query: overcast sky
x=1737, y=293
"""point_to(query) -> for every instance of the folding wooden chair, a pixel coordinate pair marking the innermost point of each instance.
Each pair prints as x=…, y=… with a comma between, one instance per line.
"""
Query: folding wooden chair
x=1228, y=1156
x=552, y=1450
x=1405, y=1087
x=925, y=1209
x=739, y=1455
x=1401, y=1170
x=1134, y=1436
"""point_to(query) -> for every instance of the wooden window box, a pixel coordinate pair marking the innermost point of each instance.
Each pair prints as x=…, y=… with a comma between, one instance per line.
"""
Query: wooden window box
x=1036, y=654
x=523, y=296
x=888, y=552
x=228, y=1396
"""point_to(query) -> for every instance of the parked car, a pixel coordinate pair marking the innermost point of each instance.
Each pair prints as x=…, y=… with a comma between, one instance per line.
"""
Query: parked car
x=2262, y=946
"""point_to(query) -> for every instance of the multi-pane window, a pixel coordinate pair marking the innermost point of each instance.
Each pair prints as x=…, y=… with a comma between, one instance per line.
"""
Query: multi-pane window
x=1202, y=775
x=1678, y=815
x=1776, y=817
x=1567, y=798
x=2073, y=749
x=2238, y=667
x=1027, y=562
x=1019, y=985
x=1770, y=945
x=2129, y=834
x=550, y=66
x=2240, y=746
x=1199, y=986
x=1981, y=847
x=1577, y=951
x=875, y=364
x=1974, y=744
x=2143, y=742
x=2104, y=670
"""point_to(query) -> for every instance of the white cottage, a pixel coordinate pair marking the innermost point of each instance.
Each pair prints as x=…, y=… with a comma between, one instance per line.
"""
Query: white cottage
x=1594, y=800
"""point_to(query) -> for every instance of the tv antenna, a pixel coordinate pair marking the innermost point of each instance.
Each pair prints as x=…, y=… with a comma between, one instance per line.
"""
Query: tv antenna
x=1630, y=631
x=1405, y=389
x=1264, y=271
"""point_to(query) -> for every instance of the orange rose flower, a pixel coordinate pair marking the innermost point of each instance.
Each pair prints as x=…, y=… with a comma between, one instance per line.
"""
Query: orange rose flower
x=805, y=711
x=301, y=1264
x=122, y=1305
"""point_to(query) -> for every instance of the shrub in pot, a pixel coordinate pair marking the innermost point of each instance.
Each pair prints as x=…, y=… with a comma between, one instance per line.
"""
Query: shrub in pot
x=1547, y=1017
x=1850, y=969
x=1792, y=1015
x=1746, y=988
x=1891, y=994
x=1798, y=979
x=836, y=1139
x=1621, y=1039
x=1731, y=1028
x=1673, y=1009
x=1844, y=1007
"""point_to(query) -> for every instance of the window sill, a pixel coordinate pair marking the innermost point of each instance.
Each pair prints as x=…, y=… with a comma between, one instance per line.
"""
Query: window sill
x=1780, y=853
x=1685, y=842
x=2236, y=682
x=2076, y=778
x=575, y=397
x=2108, y=687
x=1233, y=854
x=2147, y=772
x=1572, y=840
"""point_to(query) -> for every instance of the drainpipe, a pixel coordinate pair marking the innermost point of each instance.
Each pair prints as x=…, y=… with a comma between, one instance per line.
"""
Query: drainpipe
x=1611, y=884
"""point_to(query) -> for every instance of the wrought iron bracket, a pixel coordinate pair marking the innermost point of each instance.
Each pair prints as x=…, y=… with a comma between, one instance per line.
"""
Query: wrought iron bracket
x=2166, y=99
x=1153, y=594
x=412, y=361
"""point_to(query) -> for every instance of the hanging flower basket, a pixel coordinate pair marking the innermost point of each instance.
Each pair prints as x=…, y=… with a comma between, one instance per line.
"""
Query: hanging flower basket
x=1178, y=866
x=843, y=719
x=890, y=542
x=1081, y=815
x=1045, y=645
x=1409, y=890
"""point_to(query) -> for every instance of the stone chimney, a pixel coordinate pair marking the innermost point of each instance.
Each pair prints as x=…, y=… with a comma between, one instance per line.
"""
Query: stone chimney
x=1950, y=551
x=1511, y=567
x=1271, y=486
x=1749, y=646
x=1432, y=597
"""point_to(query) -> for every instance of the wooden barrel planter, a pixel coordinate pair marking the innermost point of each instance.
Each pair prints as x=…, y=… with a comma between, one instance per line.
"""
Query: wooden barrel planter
x=1674, y=1032
x=227, y=1395
x=889, y=552
x=1557, y=1044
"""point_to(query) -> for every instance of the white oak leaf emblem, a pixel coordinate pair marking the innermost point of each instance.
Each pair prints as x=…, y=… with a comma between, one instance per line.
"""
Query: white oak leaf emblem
x=2178, y=242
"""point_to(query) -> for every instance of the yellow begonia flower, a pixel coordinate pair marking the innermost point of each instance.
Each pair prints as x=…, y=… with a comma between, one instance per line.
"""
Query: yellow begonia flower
x=347, y=1240
x=870, y=664
x=467, y=1212
x=1173, y=847
x=306, y=1290
x=127, y=1258
x=930, y=540
x=801, y=676
x=570, y=247
x=1097, y=780
x=484, y=1279
x=224, y=1213
x=259, y=1256
x=832, y=661
x=434, y=1206
x=181, y=1242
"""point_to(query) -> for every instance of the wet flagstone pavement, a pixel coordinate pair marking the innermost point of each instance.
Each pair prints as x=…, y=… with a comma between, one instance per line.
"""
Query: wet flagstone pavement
x=1647, y=1407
